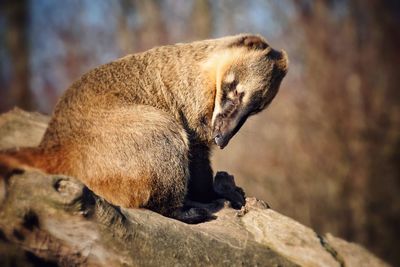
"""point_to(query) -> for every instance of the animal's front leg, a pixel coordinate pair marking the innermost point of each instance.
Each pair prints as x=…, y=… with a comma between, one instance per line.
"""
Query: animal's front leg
x=203, y=187
x=201, y=178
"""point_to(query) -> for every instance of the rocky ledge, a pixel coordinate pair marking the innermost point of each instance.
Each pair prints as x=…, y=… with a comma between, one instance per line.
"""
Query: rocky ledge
x=48, y=220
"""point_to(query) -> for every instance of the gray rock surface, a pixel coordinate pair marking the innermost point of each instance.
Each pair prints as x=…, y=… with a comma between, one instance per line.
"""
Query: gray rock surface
x=50, y=220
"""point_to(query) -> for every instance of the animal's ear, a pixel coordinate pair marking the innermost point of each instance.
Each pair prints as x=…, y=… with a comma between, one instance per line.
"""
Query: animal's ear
x=254, y=42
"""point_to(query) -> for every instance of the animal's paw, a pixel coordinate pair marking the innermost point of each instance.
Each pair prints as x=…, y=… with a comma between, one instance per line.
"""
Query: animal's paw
x=193, y=215
x=224, y=186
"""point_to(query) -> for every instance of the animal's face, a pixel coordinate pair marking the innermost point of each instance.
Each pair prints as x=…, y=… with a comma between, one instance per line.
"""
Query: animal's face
x=245, y=86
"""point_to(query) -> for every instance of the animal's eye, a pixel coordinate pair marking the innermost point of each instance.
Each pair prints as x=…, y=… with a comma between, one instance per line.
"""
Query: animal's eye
x=238, y=95
x=229, y=87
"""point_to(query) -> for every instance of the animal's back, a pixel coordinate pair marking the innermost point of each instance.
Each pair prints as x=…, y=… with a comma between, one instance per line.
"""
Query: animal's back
x=159, y=78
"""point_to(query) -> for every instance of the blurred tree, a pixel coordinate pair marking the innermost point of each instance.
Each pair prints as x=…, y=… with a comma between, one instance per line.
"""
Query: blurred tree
x=202, y=21
x=352, y=81
x=151, y=31
x=125, y=24
x=16, y=88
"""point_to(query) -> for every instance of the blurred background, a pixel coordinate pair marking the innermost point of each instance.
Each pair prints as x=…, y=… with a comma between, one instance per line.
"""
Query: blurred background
x=326, y=152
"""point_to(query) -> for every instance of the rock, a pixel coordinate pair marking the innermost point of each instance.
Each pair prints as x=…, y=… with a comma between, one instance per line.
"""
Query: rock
x=50, y=220
x=352, y=254
x=20, y=128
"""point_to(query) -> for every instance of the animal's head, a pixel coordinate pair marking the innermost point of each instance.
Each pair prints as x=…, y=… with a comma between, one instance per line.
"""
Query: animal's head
x=248, y=76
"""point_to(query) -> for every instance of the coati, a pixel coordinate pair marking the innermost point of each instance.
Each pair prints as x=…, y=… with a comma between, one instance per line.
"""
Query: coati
x=138, y=131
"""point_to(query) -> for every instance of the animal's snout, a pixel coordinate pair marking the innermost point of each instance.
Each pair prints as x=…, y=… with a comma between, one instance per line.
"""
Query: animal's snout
x=220, y=140
x=220, y=131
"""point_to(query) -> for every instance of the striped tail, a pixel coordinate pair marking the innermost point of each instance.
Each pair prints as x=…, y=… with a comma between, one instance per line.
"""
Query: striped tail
x=20, y=159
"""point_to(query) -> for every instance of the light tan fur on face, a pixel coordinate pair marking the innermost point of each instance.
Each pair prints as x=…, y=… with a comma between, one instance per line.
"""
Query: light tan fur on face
x=218, y=64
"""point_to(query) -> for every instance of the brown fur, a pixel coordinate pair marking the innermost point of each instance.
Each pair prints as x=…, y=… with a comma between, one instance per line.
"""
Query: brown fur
x=138, y=131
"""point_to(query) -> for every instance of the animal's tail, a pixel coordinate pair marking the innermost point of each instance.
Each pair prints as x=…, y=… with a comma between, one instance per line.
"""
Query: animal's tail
x=20, y=159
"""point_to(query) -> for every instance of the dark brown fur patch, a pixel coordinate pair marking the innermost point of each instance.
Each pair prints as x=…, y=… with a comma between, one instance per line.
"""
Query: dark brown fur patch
x=254, y=42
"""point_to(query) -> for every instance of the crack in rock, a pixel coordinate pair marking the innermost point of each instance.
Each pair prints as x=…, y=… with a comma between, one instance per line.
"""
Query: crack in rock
x=325, y=244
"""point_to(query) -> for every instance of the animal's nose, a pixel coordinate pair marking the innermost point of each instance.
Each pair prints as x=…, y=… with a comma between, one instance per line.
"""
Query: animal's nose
x=219, y=140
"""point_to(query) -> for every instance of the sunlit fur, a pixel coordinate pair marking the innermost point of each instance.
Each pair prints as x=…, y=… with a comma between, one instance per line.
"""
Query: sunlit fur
x=138, y=131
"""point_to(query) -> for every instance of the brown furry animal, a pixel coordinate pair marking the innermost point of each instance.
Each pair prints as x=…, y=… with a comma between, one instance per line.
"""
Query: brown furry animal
x=138, y=131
